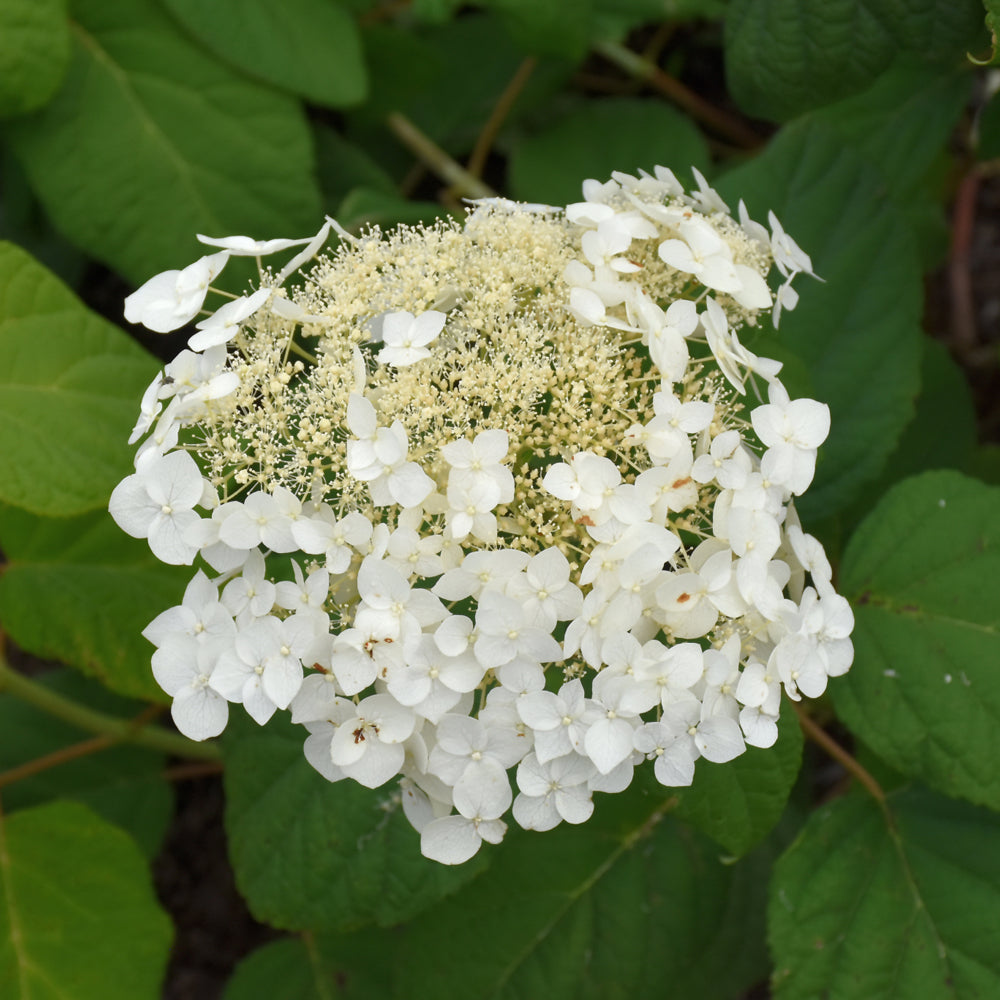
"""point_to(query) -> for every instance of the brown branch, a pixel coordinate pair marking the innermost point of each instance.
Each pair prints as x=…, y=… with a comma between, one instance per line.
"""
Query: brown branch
x=823, y=739
x=433, y=156
x=502, y=108
x=62, y=756
x=704, y=111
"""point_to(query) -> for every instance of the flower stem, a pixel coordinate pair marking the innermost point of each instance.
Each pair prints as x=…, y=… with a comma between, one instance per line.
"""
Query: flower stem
x=116, y=729
x=642, y=69
x=823, y=739
x=437, y=159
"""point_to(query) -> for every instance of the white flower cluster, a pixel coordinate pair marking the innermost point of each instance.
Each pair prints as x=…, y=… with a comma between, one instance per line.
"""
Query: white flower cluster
x=600, y=565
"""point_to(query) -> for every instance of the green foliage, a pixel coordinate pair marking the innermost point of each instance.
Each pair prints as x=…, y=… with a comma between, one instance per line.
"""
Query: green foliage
x=34, y=53
x=739, y=804
x=69, y=382
x=784, y=57
x=600, y=136
x=151, y=140
x=308, y=855
x=614, y=908
x=439, y=79
x=860, y=352
x=78, y=917
x=79, y=591
x=993, y=26
x=921, y=693
x=899, y=902
x=309, y=47
x=122, y=784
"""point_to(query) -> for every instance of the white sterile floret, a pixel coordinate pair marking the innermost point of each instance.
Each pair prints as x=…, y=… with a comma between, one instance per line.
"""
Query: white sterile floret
x=183, y=667
x=488, y=499
x=792, y=430
x=368, y=747
x=157, y=503
x=406, y=336
x=170, y=300
x=554, y=791
x=225, y=322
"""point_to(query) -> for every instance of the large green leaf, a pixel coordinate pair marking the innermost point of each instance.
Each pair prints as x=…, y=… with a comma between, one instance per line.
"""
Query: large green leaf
x=310, y=47
x=69, y=389
x=124, y=784
x=313, y=855
x=598, y=137
x=921, y=572
x=873, y=905
x=857, y=334
x=632, y=904
x=78, y=918
x=34, y=53
x=151, y=140
x=80, y=591
x=942, y=434
x=617, y=908
x=739, y=803
x=784, y=57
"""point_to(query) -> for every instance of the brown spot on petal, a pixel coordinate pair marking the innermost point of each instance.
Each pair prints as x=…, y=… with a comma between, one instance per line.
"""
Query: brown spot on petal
x=585, y=519
x=677, y=484
x=683, y=597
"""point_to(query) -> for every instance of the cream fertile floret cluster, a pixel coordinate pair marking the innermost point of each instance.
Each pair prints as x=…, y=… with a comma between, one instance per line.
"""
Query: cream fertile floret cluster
x=487, y=506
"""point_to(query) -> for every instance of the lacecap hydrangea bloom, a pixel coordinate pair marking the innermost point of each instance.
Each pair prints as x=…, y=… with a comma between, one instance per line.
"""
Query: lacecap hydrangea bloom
x=487, y=506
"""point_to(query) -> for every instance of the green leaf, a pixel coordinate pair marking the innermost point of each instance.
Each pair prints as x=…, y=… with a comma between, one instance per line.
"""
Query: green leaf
x=545, y=29
x=81, y=591
x=318, y=967
x=739, y=803
x=313, y=855
x=151, y=141
x=342, y=165
x=309, y=47
x=989, y=130
x=942, y=434
x=598, y=137
x=69, y=386
x=612, y=909
x=880, y=905
x=123, y=784
x=34, y=53
x=901, y=123
x=993, y=26
x=784, y=57
x=278, y=969
x=78, y=918
x=921, y=573
x=858, y=333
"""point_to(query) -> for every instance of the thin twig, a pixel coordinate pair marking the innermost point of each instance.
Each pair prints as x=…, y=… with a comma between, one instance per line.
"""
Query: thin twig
x=437, y=159
x=823, y=739
x=635, y=65
x=62, y=756
x=502, y=108
x=119, y=730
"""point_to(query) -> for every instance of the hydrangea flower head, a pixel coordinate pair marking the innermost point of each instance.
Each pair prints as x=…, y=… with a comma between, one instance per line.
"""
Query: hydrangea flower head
x=487, y=507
